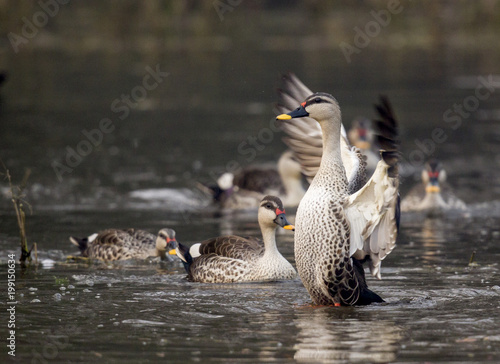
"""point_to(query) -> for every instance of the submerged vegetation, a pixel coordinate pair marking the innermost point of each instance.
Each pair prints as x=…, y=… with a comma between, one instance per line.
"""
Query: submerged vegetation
x=18, y=200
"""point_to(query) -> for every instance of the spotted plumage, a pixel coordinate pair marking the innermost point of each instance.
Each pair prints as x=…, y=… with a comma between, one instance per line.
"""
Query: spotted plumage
x=337, y=226
x=232, y=258
x=114, y=244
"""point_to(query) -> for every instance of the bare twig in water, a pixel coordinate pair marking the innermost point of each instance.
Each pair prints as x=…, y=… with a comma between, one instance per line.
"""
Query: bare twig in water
x=17, y=197
x=472, y=263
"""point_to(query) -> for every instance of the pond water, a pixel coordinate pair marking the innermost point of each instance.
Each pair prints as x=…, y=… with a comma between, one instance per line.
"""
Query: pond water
x=189, y=128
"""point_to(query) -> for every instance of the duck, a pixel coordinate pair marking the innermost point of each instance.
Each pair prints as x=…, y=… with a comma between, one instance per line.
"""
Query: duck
x=304, y=137
x=115, y=244
x=336, y=229
x=361, y=136
x=246, y=189
x=433, y=196
x=231, y=258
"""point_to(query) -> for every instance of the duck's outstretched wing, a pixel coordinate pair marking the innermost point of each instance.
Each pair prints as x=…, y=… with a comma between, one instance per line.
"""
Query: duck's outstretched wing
x=305, y=138
x=373, y=211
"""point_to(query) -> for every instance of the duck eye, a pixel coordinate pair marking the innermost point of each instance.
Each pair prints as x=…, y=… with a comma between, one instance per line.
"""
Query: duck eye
x=317, y=100
x=268, y=206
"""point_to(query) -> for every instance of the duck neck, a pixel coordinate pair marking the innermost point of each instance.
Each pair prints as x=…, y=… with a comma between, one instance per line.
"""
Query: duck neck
x=331, y=161
x=269, y=237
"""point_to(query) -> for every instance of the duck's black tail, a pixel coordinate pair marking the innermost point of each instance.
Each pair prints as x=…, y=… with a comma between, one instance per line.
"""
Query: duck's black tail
x=182, y=252
x=81, y=243
x=366, y=295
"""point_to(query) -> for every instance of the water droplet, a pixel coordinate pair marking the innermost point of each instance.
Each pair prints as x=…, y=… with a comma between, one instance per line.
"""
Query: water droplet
x=33, y=289
x=71, y=286
x=62, y=288
x=57, y=297
x=36, y=300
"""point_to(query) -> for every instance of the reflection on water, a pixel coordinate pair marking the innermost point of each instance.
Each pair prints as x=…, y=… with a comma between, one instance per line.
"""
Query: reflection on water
x=340, y=336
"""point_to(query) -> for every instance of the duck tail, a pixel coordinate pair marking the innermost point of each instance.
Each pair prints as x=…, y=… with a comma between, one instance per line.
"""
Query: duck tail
x=366, y=296
x=185, y=256
x=81, y=243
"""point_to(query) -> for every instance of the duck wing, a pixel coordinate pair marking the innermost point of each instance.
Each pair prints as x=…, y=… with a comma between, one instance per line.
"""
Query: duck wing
x=232, y=246
x=111, y=244
x=373, y=211
x=259, y=180
x=305, y=138
x=113, y=237
x=141, y=236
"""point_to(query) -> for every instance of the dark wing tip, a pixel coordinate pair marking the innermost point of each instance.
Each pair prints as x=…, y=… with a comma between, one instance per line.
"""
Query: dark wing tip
x=387, y=134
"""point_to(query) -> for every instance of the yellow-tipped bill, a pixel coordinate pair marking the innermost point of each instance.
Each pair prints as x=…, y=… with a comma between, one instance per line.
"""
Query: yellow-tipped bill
x=283, y=117
x=172, y=252
x=289, y=227
x=362, y=145
x=432, y=189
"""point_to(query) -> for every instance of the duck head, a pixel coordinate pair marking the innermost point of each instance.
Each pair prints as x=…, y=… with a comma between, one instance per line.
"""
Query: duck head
x=360, y=134
x=319, y=106
x=164, y=239
x=432, y=176
x=272, y=214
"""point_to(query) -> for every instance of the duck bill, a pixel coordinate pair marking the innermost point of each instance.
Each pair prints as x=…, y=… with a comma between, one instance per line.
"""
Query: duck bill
x=299, y=112
x=432, y=189
x=433, y=186
x=172, y=252
x=361, y=144
x=283, y=222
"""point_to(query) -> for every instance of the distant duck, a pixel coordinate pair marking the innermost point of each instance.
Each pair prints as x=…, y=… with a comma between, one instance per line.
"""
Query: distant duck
x=114, y=244
x=433, y=196
x=361, y=136
x=227, y=259
x=338, y=229
x=246, y=189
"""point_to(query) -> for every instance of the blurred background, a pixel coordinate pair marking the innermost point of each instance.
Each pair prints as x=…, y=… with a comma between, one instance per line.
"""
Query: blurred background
x=67, y=66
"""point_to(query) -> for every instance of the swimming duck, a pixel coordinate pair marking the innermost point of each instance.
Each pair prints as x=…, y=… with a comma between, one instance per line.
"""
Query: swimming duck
x=305, y=137
x=231, y=258
x=247, y=188
x=433, y=195
x=337, y=230
x=114, y=244
x=361, y=136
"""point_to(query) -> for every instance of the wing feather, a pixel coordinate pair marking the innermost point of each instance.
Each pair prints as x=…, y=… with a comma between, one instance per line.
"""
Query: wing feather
x=232, y=246
x=305, y=138
x=373, y=211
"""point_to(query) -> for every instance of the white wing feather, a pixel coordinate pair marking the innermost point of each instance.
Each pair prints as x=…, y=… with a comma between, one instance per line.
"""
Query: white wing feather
x=372, y=214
